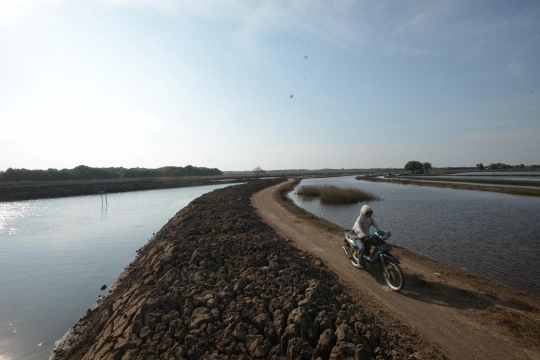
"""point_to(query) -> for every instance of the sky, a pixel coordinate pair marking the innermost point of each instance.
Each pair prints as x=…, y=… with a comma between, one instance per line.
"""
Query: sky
x=278, y=84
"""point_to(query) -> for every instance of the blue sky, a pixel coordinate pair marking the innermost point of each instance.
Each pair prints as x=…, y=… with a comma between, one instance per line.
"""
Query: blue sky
x=277, y=84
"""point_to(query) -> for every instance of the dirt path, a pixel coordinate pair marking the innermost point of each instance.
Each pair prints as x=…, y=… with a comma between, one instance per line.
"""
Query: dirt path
x=466, y=317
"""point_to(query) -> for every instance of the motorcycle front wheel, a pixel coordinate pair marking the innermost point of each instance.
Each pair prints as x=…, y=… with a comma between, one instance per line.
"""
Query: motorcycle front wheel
x=394, y=277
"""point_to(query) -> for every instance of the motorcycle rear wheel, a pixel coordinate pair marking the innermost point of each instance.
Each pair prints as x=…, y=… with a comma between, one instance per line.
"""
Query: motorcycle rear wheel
x=396, y=280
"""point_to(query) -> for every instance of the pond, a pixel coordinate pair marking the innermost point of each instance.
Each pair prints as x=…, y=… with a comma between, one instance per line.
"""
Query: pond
x=489, y=234
x=514, y=175
x=55, y=255
x=427, y=180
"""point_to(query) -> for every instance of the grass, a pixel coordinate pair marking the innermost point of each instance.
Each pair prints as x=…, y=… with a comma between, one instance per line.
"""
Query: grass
x=330, y=194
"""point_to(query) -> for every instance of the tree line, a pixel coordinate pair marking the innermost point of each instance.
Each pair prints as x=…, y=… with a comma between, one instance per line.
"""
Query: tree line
x=497, y=166
x=83, y=172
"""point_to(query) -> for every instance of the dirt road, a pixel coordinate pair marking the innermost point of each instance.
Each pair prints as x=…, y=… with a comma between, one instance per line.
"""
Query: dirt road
x=466, y=317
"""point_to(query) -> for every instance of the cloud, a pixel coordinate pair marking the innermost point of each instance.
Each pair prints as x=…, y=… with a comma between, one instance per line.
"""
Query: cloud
x=411, y=28
x=437, y=27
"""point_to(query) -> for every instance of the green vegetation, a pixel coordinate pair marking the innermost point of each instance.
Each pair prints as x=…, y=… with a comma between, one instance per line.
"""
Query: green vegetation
x=501, y=166
x=334, y=195
x=417, y=166
x=83, y=172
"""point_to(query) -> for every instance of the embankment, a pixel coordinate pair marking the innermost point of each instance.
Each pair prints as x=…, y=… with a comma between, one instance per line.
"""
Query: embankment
x=216, y=282
x=29, y=190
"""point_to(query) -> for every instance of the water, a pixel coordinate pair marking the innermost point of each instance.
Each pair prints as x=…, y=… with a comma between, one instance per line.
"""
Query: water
x=514, y=175
x=56, y=254
x=467, y=183
x=493, y=235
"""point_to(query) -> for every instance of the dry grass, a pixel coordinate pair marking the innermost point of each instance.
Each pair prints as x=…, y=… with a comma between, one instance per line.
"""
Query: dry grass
x=335, y=195
x=309, y=190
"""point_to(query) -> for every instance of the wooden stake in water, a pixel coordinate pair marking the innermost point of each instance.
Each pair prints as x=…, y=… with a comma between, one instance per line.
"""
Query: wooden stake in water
x=101, y=193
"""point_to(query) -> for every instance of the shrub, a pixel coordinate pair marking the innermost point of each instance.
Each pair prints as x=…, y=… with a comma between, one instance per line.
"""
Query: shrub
x=330, y=194
x=309, y=190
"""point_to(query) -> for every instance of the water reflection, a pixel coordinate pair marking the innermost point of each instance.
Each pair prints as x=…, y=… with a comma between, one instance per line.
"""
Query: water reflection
x=489, y=234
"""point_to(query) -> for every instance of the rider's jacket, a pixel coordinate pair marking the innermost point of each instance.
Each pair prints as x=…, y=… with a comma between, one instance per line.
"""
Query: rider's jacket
x=363, y=223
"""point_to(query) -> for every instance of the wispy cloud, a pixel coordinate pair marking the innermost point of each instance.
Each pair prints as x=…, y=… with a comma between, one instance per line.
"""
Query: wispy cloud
x=412, y=28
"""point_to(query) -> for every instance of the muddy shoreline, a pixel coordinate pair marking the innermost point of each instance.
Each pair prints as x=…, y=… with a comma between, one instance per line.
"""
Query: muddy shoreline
x=216, y=282
x=33, y=190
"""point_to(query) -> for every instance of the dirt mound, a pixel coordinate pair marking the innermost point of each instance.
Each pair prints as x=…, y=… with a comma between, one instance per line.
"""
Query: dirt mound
x=217, y=282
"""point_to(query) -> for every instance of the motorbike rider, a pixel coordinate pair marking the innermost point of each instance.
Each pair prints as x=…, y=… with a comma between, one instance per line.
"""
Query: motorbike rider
x=360, y=230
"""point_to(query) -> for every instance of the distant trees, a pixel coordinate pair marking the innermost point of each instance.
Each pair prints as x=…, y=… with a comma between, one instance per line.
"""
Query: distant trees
x=497, y=166
x=83, y=172
x=426, y=166
x=502, y=166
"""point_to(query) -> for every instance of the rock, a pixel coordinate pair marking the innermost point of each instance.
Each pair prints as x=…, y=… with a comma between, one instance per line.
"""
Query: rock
x=240, y=332
x=299, y=349
x=325, y=344
x=343, y=351
x=240, y=284
x=145, y=333
x=194, y=353
x=200, y=316
x=103, y=287
x=257, y=346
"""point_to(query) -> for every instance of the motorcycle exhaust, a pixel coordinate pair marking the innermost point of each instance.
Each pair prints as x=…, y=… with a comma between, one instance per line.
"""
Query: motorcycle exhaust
x=346, y=252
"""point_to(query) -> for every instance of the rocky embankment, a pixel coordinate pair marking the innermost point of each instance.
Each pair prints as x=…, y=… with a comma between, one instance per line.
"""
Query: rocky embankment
x=29, y=190
x=218, y=283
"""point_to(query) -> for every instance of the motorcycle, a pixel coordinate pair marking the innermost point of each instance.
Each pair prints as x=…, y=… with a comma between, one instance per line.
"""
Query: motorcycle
x=381, y=258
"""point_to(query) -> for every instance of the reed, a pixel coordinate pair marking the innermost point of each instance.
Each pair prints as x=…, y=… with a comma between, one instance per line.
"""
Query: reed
x=330, y=194
x=309, y=190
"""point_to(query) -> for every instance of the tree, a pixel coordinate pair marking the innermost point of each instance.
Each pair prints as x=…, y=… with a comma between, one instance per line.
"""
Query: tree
x=414, y=166
x=426, y=166
x=258, y=170
x=480, y=166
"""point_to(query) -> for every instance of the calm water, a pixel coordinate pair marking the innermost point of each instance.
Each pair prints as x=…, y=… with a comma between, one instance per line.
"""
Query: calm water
x=517, y=175
x=56, y=254
x=493, y=235
x=467, y=183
